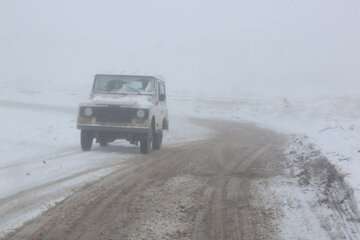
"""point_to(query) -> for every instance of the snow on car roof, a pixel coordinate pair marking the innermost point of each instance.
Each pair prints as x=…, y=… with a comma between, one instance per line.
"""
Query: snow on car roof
x=121, y=75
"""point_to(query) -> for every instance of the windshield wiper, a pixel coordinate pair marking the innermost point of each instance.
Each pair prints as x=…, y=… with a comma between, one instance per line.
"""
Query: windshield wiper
x=115, y=92
x=134, y=89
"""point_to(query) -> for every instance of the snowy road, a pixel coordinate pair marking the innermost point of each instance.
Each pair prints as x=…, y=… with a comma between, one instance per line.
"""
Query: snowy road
x=203, y=190
x=237, y=184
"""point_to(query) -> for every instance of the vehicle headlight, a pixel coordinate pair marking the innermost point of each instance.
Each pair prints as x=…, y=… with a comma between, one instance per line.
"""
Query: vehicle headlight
x=88, y=112
x=140, y=114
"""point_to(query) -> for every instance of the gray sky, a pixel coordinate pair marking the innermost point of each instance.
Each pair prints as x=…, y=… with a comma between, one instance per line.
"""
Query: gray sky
x=227, y=48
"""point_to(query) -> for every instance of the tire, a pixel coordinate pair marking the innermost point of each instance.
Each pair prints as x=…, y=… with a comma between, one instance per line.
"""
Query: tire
x=102, y=141
x=86, y=140
x=158, y=137
x=146, y=145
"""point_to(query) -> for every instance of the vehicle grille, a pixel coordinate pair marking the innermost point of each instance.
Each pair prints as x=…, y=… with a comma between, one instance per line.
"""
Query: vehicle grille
x=114, y=114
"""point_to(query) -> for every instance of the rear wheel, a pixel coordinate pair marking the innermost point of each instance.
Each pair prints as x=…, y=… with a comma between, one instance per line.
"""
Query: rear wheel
x=86, y=140
x=102, y=141
x=158, y=137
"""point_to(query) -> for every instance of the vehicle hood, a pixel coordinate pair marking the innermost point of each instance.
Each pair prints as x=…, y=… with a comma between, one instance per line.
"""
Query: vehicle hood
x=136, y=101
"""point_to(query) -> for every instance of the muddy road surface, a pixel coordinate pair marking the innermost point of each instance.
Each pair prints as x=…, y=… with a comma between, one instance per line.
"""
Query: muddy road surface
x=202, y=190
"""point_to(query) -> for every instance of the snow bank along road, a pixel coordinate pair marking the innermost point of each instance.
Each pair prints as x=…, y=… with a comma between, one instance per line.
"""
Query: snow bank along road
x=234, y=185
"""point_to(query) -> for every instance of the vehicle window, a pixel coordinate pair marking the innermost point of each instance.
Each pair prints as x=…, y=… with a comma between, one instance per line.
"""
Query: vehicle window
x=118, y=84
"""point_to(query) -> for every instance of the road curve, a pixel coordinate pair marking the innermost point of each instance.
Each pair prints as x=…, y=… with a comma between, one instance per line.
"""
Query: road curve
x=203, y=190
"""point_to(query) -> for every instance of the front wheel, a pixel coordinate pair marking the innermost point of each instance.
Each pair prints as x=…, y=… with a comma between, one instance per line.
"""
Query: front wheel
x=146, y=145
x=86, y=140
x=158, y=137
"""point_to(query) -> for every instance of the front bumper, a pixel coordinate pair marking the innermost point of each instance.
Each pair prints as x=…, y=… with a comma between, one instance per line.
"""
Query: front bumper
x=114, y=129
x=112, y=133
x=92, y=123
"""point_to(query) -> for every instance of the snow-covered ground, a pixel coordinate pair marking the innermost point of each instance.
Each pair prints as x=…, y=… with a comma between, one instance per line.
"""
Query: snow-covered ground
x=41, y=162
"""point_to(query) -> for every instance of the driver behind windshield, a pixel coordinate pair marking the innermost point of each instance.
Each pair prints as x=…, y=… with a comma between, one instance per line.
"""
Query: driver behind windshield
x=114, y=85
x=124, y=85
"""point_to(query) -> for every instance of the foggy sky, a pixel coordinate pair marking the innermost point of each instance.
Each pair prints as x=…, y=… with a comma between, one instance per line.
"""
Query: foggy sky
x=224, y=48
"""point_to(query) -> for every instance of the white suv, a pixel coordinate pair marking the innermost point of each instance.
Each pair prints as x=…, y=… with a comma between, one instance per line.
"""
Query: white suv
x=124, y=107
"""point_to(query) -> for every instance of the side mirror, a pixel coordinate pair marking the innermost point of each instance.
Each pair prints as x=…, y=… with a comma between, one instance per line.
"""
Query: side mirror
x=162, y=97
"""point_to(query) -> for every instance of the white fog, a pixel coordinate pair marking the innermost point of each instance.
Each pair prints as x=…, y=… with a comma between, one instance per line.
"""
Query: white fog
x=208, y=120
x=209, y=47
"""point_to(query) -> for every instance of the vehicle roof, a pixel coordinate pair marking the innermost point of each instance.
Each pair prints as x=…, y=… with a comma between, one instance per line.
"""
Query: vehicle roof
x=124, y=75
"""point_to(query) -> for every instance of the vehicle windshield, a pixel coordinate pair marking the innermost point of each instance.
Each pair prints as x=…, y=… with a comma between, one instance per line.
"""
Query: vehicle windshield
x=124, y=85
